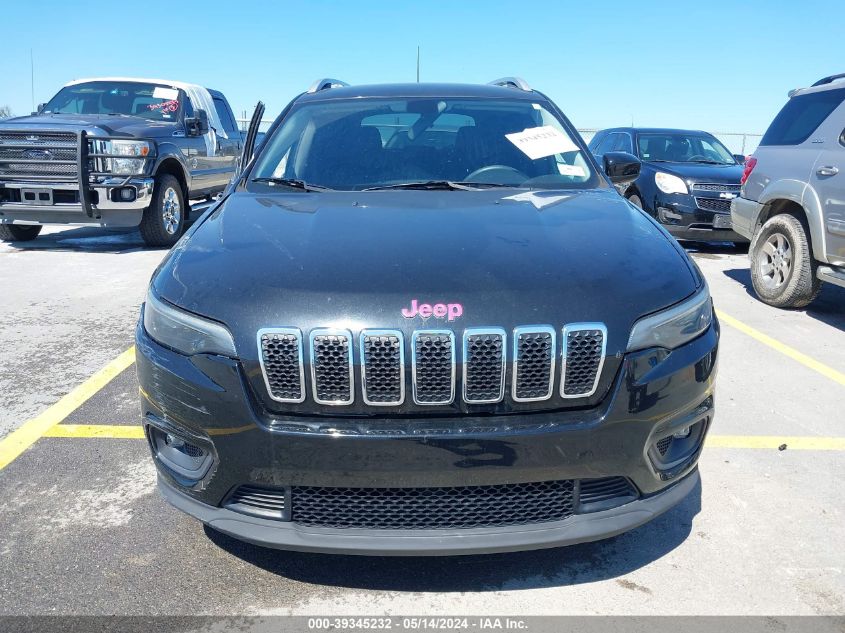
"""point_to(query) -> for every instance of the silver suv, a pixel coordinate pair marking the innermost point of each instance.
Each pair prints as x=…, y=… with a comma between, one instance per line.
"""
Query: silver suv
x=792, y=202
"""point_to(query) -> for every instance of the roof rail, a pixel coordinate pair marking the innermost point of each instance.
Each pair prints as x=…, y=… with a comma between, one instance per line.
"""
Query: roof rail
x=325, y=84
x=828, y=80
x=511, y=82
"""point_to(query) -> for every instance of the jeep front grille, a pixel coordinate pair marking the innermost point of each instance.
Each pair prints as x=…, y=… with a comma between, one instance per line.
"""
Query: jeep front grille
x=281, y=363
x=489, y=361
x=383, y=367
x=533, y=363
x=433, y=366
x=331, y=366
x=484, y=365
x=583, y=355
x=38, y=156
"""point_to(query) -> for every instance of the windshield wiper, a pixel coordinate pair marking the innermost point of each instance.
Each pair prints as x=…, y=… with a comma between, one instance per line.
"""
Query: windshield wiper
x=291, y=182
x=442, y=185
x=708, y=162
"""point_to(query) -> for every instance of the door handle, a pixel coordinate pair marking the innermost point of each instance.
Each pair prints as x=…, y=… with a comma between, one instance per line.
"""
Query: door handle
x=828, y=170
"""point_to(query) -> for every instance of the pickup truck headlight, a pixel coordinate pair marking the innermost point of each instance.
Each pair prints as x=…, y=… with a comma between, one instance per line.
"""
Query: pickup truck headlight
x=667, y=183
x=673, y=327
x=184, y=332
x=126, y=166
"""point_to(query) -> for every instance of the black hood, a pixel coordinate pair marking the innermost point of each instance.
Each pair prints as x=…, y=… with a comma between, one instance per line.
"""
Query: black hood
x=700, y=172
x=110, y=125
x=357, y=259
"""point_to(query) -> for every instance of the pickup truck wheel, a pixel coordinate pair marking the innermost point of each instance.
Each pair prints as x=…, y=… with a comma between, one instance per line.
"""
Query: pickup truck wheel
x=783, y=272
x=19, y=232
x=164, y=220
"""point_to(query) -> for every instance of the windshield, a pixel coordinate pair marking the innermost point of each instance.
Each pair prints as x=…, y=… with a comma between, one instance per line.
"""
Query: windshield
x=683, y=148
x=148, y=101
x=375, y=143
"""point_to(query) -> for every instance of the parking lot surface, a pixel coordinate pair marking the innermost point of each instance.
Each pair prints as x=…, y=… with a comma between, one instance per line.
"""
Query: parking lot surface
x=84, y=531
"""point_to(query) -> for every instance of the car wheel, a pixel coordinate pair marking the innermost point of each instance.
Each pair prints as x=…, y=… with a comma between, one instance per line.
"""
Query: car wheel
x=783, y=272
x=635, y=200
x=164, y=220
x=19, y=232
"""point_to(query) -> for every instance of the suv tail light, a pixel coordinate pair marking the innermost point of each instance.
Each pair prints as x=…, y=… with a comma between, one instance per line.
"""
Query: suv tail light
x=750, y=163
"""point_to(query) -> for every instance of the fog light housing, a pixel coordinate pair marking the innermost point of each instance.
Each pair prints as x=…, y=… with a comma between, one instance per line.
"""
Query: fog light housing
x=126, y=194
x=667, y=216
x=672, y=453
x=187, y=459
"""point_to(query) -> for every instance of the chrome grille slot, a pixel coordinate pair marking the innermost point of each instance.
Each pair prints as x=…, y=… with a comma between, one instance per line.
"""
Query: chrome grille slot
x=484, y=365
x=584, y=346
x=713, y=186
x=433, y=366
x=533, y=363
x=383, y=367
x=280, y=354
x=331, y=366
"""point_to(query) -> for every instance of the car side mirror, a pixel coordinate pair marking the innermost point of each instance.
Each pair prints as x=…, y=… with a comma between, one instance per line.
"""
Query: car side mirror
x=621, y=167
x=40, y=108
x=739, y=158
x=197, y=125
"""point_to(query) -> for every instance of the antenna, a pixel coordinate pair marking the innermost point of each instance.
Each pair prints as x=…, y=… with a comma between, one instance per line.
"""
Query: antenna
x=418, y=63
x=32, y=79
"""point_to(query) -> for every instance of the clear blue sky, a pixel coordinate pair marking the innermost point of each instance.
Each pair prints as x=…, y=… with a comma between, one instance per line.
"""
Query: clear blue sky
x=718, y=65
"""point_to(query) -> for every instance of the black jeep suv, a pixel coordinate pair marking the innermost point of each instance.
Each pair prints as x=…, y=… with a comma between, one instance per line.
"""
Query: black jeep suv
x=423, y=321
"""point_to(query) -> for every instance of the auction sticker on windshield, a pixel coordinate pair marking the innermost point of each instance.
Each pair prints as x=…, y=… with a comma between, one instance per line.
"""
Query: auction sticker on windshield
x=539, y=142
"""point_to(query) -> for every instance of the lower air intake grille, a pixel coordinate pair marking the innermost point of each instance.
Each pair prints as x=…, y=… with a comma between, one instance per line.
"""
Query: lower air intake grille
x=263, y=502
x=484, y=365
x=434, y=367
x=281, y=360
x=433, y=508
x=594, y=491
x=584, y=346
x=383, y=362
x=331, y=366
x=663, y=445
x=713, y=204
x=534, y=353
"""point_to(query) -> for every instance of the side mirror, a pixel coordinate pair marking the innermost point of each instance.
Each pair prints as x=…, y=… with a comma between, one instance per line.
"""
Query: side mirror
x=621, y=167
x=40, y=108
x=197, y=125
x=739, y=158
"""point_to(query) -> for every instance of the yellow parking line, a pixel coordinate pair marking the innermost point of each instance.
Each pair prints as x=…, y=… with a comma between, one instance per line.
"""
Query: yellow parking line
x=775, y=441
x=111, y=431
x=27, y=434
x=794, y=354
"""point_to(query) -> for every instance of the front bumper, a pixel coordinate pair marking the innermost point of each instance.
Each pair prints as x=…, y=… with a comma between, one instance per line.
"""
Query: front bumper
x=744, y=214
x=682, y=216
x=653, y=396
x=99, y=206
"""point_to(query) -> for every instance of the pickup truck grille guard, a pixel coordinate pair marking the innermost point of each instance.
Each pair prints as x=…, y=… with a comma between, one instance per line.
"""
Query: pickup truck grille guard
x=434, y=355
x=61, y=160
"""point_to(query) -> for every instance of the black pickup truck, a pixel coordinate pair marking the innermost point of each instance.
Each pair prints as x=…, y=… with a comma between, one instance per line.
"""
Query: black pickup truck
x=116, y=152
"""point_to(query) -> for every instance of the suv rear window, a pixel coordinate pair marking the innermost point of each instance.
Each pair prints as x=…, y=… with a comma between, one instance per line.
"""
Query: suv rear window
x=801, y=116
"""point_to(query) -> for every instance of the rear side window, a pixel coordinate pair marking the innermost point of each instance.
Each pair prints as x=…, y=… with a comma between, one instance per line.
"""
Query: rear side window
x=801, y=116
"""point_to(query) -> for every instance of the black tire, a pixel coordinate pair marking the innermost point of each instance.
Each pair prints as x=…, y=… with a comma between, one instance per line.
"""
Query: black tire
x=163, y=223
x=783, y=271
x=635, y=200
x=19, y=232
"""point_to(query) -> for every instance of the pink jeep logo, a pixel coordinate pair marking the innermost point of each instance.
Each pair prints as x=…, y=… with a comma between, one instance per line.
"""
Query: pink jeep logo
x=450, y=311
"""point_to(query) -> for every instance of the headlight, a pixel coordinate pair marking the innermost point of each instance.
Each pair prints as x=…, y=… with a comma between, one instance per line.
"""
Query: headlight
x=667, y=183
x=673, y=327
x=126, y=166
x=186, y=333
